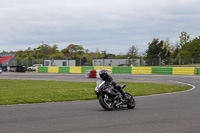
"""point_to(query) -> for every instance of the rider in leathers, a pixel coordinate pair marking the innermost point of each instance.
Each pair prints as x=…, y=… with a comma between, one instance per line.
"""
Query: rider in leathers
x=109, y=80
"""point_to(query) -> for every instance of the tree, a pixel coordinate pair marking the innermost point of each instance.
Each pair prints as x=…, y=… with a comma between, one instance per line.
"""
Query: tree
x=184, y=38
x=58, y=55
x=73, y=50
x=54, y=49
x=191, y=48
x=104, y=54
x=167, y=48
x=156, y=49
x=43, y=49
x=97, y=54
x=132, y=52
x=4, y=52
x=175, y=50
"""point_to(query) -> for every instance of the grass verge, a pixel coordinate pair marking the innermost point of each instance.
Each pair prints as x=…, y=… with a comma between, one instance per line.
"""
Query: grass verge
x=36, y=91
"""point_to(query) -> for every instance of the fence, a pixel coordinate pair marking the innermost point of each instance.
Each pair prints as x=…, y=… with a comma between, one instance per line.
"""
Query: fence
x=107, y=62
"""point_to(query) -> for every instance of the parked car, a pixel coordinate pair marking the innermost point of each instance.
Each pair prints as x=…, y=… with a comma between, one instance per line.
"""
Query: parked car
x=17, y=69
x=33, y=68
x=86, y=64
x=0, y=70
x=4, y=68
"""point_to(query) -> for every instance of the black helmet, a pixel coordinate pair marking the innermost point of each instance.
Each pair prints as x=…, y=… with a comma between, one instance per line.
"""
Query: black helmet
x=103, y=74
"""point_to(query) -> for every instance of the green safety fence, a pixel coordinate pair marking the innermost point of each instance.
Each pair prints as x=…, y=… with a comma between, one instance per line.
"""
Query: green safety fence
x=64, y=69
x=198, y=71
x=161, y=70
x=86, y=68
x=121, y=70
x=42, y=69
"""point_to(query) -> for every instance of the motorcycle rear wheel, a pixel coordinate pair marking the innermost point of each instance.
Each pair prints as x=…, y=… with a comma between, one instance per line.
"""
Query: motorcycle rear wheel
x=106, y=101
x=131, y=103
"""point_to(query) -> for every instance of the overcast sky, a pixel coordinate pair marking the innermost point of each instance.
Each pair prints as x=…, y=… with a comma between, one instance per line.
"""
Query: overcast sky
x=111, y=25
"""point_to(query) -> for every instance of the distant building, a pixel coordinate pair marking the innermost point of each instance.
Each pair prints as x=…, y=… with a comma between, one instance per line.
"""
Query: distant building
x=59, y=62
x=115, y=62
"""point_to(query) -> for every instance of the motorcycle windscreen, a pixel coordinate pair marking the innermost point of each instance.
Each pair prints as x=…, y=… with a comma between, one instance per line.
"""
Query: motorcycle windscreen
x=99, y=83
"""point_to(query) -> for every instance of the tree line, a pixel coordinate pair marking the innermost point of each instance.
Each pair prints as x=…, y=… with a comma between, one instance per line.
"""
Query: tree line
x=186, y=47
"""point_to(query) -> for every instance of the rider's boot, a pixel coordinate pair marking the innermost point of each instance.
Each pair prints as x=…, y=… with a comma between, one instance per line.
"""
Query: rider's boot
x=124, y=95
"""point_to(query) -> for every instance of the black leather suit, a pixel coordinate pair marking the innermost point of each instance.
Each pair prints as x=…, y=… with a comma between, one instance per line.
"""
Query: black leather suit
x=109, y=80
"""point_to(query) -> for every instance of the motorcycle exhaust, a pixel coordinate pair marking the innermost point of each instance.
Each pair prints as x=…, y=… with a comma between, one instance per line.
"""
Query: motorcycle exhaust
x=119, y=104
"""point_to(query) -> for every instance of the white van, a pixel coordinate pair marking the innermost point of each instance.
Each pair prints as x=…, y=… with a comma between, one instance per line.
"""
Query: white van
x=33, y=68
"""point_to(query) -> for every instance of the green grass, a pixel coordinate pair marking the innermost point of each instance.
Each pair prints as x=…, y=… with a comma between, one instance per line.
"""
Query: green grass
x=35, y=91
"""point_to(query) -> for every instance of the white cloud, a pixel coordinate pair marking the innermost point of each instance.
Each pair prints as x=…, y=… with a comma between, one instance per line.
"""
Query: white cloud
x=94, y=23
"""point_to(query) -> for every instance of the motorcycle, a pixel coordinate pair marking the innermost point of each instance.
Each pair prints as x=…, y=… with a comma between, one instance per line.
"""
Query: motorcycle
x=110, y=98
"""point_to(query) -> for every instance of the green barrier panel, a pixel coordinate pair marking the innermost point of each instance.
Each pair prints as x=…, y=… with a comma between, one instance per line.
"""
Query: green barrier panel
x=197, y=71
x=42, y=69
x=86, y=68
x=64, y=69
x=121, y=70
x=161, y=70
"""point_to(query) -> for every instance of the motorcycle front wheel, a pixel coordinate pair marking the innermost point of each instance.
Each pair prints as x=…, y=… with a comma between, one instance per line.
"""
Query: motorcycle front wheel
x=106, y=101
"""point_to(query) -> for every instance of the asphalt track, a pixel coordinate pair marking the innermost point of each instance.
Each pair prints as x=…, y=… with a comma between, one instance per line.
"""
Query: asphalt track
x=170, y=113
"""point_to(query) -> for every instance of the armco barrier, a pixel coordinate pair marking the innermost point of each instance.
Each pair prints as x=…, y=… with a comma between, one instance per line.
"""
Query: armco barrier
x=127, y=70
x=103, y=67
x=198, y=71
x=86, y=68
x=64, y=69
x=141, y=70
x=161, y=70
x=121, y=70
x=75, y=70
x=53, y=69
x=183, y=70
x=42, y=69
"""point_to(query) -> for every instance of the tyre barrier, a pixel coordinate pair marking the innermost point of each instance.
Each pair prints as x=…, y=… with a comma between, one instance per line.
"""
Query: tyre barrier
x=42, y=69
x=75, y=70
x=64, y=69
x=141, y=70
x=198, y=71
x=162, y=70
x=85, y=68
x=53, y=69
x=123, y=70
x=183, y=70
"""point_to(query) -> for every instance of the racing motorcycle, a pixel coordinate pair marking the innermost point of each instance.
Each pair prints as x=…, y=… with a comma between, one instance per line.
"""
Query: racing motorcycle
x=110, y=98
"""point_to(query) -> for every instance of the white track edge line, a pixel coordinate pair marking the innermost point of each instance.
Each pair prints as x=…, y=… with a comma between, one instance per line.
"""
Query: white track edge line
x=193, y=87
